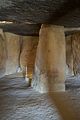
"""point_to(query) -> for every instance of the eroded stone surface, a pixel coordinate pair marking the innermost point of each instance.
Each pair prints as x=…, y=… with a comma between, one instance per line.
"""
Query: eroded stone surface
x=73, y=52
x=69, y=56
x=76, y=52
x=41, y=11
x=2, y=54
x=17, y=102
x=50, y=59
x=13, y=48
x=28, y=54
x=17, y=52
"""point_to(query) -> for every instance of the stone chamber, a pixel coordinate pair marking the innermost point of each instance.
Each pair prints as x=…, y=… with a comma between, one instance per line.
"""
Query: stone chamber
x=39, y=60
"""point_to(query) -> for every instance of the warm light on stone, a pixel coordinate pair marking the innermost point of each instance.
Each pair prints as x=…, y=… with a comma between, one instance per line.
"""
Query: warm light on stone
x=50, y=60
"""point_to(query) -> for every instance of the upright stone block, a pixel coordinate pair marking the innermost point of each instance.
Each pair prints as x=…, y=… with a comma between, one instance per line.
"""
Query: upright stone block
x=76, y=52
x=2, y=54
x=12, y=49
x=69, y=56
x=50, y=65
x=28, y=54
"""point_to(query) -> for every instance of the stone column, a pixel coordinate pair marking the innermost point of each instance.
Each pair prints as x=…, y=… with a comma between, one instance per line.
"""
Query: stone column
x=12, y=44
x=2, y=54
x=27, y=58
x=28, y=54
x=49, y=74
x=76, y=53
x=69, y=56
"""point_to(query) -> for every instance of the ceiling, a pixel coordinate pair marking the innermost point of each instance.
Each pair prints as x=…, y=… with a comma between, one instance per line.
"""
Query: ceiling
x=28, y=15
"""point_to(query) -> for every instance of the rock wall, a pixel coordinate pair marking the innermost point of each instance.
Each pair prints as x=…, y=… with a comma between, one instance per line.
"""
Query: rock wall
x=76, y=52
x=73, y=52
x=17, y=51
x=49, y=71
x=2, y=54
x=28, y=54
x=13, y=48
x=69, y=56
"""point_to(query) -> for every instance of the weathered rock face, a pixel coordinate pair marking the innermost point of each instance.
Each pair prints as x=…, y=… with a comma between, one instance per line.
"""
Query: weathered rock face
x=2, y=54
x=13, y=48
x=17, y=51
x=21, y=51
x=73, y=53
x=76, y=52
x=50, y=60
x=28, y=54
x=61, y=12
x=69, y=56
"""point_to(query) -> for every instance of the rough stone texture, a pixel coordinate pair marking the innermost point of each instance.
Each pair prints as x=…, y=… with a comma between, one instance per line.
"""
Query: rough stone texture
x=21, y=29
x=76, y=52
x=17, y=102
x=70, y=19
x=2, y=54
x=12, y=44
x=41, y=11
x=50, y=60
x=20, y=51
x=38, y=11
x=30, y=14
x=73, y=52
x=69, y=56
x=28, y=54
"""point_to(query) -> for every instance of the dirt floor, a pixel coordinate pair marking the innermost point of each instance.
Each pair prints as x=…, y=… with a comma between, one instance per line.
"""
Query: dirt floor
x=19, y=102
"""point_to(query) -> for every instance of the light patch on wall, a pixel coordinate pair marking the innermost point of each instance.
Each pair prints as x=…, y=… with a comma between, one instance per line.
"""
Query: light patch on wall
x=4, y=22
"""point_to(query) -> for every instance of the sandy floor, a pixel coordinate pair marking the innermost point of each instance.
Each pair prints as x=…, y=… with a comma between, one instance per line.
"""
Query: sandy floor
x=17, y=102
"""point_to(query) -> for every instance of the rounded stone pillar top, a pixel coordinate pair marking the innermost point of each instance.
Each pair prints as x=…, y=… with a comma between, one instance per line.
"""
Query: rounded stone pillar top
x=51, y=26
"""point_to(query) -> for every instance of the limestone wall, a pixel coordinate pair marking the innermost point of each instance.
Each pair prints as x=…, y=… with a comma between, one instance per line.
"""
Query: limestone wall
x=76, y=52
x=17, y=51
x=2, y=54
x=69, y=56
x=50, y=60
x=28, y=54
x=12, y=44
x=73, y=52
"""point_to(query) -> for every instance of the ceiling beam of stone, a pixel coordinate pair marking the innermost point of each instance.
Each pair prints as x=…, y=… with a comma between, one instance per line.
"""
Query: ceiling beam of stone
x=36, y=11
x=71, y=29
x=21, y=29
x=70, y=20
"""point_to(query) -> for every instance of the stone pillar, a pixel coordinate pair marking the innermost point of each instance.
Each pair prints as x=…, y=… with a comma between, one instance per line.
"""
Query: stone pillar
x=69, y=56
x=76, y=53
x=49, y=74
x=27, y=58
x=12, y=44
x=2, y=54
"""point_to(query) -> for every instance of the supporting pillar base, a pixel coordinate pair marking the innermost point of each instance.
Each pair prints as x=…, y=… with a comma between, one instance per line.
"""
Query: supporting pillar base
x=40, y=84
x=49, y=74
x=58, y=87
x=27, y=81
